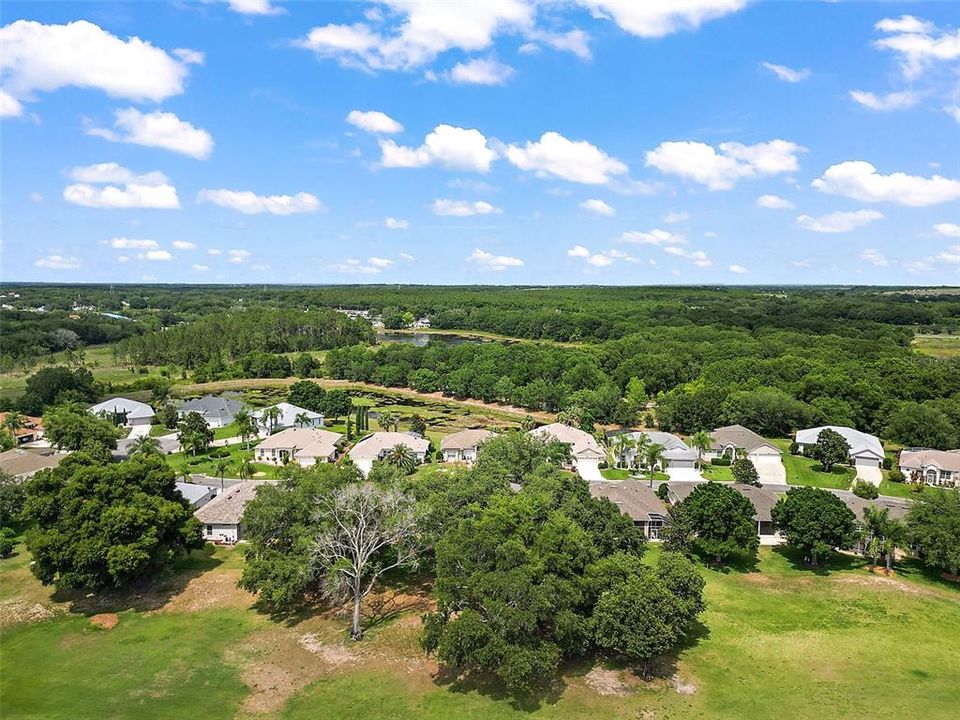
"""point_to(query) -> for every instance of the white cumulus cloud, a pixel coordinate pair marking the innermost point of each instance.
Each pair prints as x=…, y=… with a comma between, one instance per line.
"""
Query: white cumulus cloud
x=373, y=121
x=156, y=256
x=874, y=257
x=860, y=180
x=254, y=7
x=93, y=189
x=886, y=103
x=738, y=269
x=951, y=230
x=392, y=223
x=773, y=202
x=554, y=156
x=452, y=148
x=480, y=71
x=917, y=44
x=838, y=222
x=125, y=243
x=488, y=261
x=157, y=129
x=200, y=268
x=654, y=237
x=9, y=105
x=721, y=167
x=238, y=256
x=250, y=203
x=184, y=245
x=58, y=262
x=463, y=208
x=598, y=207
x=787, y=74
x=352, y=266
x=657, y=18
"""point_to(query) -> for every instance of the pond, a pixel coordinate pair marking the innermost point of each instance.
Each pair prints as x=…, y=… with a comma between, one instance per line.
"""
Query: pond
x=421, y=339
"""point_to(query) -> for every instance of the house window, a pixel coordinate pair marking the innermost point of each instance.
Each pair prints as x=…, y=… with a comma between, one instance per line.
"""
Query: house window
x=209, y=529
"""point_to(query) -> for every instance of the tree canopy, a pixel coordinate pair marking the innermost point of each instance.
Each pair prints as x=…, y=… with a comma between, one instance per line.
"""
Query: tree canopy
x=722, y=521
x=814, y=521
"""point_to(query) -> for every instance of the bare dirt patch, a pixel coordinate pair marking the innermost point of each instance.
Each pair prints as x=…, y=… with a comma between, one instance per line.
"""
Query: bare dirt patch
x=17, y=611
x=683, y=687
x=212, y=589
x=883, y=581
x=334, y=654
x=107, y=621
x=606, y=682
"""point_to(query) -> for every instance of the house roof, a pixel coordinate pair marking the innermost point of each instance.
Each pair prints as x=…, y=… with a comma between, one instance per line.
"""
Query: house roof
x=212, y=406
x=30, y=424
x=371, y=447
x=227, y=508
x=860, y=442
x=123, y=406
x=898, y=507
x=632, y=497
x=580, y=442
x=763, y=499
x=309, y=442
x=465, y=439
x=673, y=447
x=919, y=459
x=738, y=436
x=20, y=461
x=288, y=414
x=192, y=492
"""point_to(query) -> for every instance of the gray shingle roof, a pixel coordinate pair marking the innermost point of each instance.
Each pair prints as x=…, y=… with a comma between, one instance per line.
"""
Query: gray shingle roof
x=228, y=507
x=738, y=436
x=632, y=497
x=212, y=406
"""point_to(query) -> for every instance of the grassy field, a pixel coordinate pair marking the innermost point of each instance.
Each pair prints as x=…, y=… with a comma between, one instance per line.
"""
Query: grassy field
x=941, y=346
x=777, y=642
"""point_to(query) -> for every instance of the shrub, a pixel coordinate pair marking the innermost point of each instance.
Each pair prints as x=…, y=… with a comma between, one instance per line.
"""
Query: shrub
x=896, y=475
x=794, y=448
x=663, y=492
x=721, y=461
x=863, y=489
x=7, y=542
x=218, y=454
x=887, y=463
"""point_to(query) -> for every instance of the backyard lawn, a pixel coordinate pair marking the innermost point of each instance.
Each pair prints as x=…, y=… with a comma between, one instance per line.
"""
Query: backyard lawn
x=206, y=463
x=776, y=642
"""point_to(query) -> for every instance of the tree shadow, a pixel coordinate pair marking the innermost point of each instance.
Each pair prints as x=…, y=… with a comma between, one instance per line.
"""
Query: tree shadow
x=914, y=569
x=142, y=596
x=834, y=562
x=738, y=563
x=380, y=609
x=493, y=688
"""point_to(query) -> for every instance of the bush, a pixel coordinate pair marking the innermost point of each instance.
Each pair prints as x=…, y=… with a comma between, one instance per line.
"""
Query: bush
x=218, y=454
x=863, y=489
x=794, y=448
x=663, y=492
x=887, y=463
x=721, y=461
x=896, y=475
x=7, y=542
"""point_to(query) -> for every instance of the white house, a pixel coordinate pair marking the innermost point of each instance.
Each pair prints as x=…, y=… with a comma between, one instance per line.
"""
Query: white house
x=222, y=517
x=676, y=453
x=377, y=445
x=304, y=446
x=123, y=411
x=865, y=449
x=585, y=452
x=463, y=446
x=216, y=410
x=731, y=440
x=936, y=467
x=196, y=494
x=288, y=417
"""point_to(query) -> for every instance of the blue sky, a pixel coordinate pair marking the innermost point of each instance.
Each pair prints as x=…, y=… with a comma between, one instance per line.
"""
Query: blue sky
x=590, y=141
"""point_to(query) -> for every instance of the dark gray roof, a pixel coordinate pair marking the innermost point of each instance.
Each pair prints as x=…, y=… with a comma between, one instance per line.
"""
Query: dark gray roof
x=212, y=406
x=632, y=497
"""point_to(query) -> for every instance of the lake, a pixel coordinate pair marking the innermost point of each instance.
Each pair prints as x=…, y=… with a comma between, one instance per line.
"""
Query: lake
x=421, y=339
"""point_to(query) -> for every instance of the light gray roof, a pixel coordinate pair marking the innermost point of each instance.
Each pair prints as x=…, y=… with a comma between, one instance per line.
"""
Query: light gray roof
x=919, y=459
x=212, y=406
x=673, y=447
x=371, y=447
x=632, y=497
x=288, y=414
x=123, y=406
x=580, y=442
x=861, y=443
x=228, y=507
x=193, y=492
x=738, y=436
x=465, y=439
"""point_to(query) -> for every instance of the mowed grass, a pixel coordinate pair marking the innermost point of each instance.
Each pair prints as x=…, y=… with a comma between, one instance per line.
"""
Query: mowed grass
x=940, y=346
x=778, y=642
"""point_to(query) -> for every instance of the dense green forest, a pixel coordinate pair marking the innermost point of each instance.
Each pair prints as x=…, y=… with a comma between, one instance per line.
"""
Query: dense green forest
x=770, y=358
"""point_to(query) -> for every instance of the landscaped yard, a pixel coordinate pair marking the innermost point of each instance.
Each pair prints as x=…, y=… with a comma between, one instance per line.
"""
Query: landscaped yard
x=778, y=642
x=206, y=463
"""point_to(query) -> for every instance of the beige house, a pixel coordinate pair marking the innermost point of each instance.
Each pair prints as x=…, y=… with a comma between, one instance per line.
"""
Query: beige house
x=222, y=517
x=463, y=446
x=936, y=467
x=378, y=445
x=585, y=452
x=304, y=446
x=23, y=463
x=731, y=440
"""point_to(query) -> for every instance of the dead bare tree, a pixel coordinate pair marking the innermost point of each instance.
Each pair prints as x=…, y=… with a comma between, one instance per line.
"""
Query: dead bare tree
x=370, y=531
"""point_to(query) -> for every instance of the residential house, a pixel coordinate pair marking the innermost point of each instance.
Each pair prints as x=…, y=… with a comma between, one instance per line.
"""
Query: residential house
x=30, y=430
x=936, y=467
x=676, y=453
x=585, y=452
x=463, y=446
x=123, y=411
x=304, y=446
x=222, y=517
x=197, y=495
x=23, y=463
x=216, y=410
x=865, y=449
x=763, y=500
x=735, y=440
x=636, y=500
x=379, y=444
x=288, y=417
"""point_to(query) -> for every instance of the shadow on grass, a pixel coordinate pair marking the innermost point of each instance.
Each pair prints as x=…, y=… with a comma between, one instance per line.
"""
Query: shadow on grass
x=914, y=570
x=144, y=596
x=491, y=687
x=739, y=563
x=834, y=562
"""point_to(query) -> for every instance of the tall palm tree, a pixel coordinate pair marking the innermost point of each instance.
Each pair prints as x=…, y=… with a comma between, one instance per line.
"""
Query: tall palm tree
x=13, y=421
x=883, y=534
x=271, y=416
x=220, y=469
x=302, y=420
x=654, y=455
x=246, y=425
x=387, y=419
x=640, y=446
x=701, y=442
x=246, y=469
x=402, y=457
x=145, y=445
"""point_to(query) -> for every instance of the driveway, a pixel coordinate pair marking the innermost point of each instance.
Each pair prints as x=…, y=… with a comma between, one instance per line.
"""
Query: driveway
x=589, y=471
x=685, y=475
x=771, y=471
x=138, y=431
x=872, y=475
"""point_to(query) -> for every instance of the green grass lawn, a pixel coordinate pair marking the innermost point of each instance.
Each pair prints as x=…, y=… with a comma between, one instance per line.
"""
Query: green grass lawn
x=227, y=431
x=779, y=641
x=206, y=464
x=718, y=473
x=804, y=471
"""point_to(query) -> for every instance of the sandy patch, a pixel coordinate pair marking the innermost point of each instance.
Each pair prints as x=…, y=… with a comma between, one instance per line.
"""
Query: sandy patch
x=683, y=688
x=17, y=611
x=872, y=580
x=214, y=589
x=334, y=654
x=606, y=682
x=107, y=621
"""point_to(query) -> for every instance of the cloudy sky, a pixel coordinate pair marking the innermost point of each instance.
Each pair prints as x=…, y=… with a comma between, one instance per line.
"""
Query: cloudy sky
x=508, y=141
